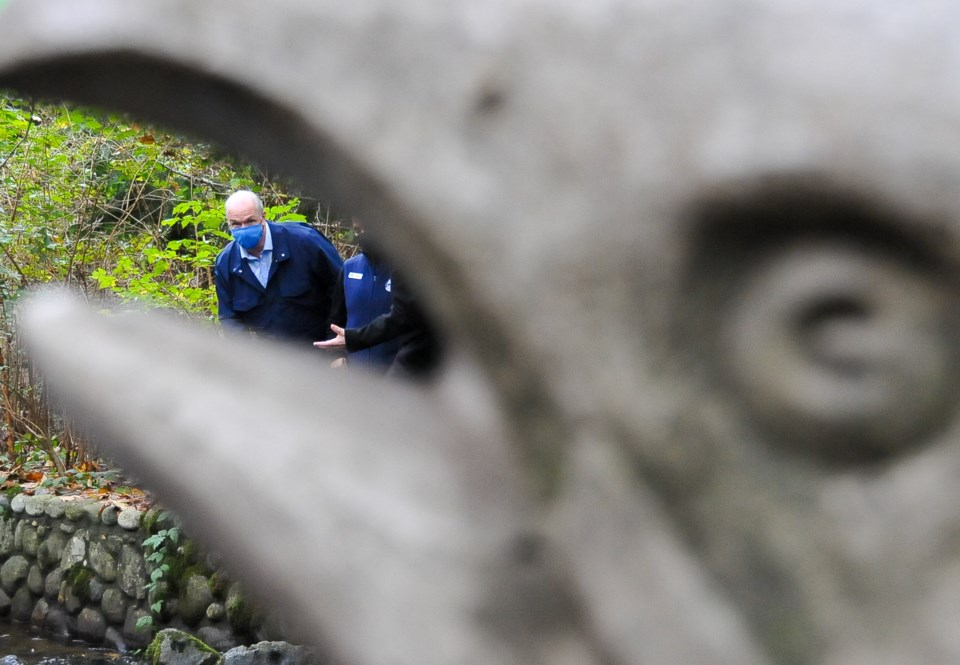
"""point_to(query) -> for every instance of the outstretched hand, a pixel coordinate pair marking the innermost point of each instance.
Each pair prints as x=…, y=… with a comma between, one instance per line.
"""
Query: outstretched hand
x=337, y=343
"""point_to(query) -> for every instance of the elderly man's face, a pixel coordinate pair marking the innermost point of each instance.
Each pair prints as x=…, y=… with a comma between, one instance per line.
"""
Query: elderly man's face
x=242, y=214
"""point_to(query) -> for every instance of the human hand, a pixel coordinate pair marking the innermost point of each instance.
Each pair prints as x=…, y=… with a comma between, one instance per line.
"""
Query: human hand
x=337, y=343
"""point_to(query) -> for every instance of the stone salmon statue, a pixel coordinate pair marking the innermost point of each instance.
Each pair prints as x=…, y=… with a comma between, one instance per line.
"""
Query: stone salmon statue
x=696, y=263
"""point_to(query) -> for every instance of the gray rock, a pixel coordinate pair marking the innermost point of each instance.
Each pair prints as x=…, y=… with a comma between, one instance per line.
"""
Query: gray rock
x=72, y=599
x=35, y=506
x=113, y=543
x=95, y=590
x=51, y=549
x=58, y=623
x=129, y=519
x=40, y=610
x=136, y=638
x=215, y=612
x=77, y=510
x=221, y=639
x=171, y=608
x=132, y=577
x=91, y=625
x=101, y=561
x=10, y=660
x=113, y=638
x=13, y=571
x=270, y=653
x=243, y=614
x=35, y=580
x=21, y=607
x=114, y=605
x=7, y=528
x=270, y=629
x=18, y=503
x=108, y=516
x=18, y=535
x=75, y=550
x=5, y=603
x=56, y=507
x=51, y=585
x=30, y=540
x=195, y=597
x=92, y=511
x=68, y=528
x=174, y=647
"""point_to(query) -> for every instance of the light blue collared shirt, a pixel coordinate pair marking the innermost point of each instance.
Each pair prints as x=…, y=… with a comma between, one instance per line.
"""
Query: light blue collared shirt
x=260, y=265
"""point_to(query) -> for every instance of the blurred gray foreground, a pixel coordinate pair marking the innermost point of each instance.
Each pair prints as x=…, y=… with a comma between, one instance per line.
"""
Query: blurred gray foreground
x=697, y=262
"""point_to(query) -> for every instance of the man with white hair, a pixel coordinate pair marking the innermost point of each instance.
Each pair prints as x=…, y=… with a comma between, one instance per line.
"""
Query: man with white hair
x=274, y=279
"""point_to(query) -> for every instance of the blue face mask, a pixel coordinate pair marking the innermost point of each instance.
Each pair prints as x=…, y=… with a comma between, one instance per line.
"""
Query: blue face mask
x=248, y=236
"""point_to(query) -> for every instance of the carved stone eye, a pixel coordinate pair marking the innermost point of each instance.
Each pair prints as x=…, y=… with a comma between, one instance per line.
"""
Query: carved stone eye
x=835, y=333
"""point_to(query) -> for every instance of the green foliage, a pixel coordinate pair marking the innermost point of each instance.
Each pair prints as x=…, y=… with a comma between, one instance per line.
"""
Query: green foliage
x=123, y=213
x=161, y=553
x=79, y=479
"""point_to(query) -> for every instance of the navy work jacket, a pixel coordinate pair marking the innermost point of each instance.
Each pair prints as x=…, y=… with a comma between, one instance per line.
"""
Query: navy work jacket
x=295, y=304
x=366, y=293
x=421, y=348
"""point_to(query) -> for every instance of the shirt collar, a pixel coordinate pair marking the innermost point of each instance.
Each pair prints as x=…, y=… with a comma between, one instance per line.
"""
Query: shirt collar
x=267, y=245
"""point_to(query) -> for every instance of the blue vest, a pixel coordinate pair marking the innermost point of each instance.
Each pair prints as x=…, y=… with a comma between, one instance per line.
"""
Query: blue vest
x=366, y=293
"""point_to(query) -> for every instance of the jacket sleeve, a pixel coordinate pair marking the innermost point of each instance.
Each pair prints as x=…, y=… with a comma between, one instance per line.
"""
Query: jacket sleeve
x=402, y=318
x=338, y=304
x=327, y=273
x=228, y=318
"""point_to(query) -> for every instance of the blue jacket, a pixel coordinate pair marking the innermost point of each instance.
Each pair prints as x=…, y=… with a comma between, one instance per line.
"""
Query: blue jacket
x=366, y=293
x=295, y=304
x=421, y=348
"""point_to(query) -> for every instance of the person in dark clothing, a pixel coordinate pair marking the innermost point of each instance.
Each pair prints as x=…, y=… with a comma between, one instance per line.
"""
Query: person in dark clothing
x=274, y=279
x=420, y=348
x=362, y=294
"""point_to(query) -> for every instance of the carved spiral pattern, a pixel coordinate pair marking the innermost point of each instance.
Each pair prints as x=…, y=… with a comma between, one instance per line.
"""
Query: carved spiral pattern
x=841, y=350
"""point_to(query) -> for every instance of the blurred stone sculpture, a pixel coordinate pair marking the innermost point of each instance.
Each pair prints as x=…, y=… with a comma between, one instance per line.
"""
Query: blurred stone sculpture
x=697, y=263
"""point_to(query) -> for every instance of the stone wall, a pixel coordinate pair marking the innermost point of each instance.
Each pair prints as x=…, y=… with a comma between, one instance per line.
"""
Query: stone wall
x=78, y=568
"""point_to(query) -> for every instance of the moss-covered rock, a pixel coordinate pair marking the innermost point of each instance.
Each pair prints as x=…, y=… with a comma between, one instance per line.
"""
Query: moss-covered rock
x=157, y=519
x=219, y=582
x=79, y=578
x=175, y=647
x=242, y=613
x=190, y=551
x=148, y=523
x=195, y=598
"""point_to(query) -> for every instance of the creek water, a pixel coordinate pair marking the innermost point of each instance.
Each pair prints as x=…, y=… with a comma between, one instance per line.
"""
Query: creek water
x=20, y=644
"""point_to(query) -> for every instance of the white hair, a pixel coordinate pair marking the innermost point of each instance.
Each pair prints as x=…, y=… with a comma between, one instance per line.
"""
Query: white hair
x=243, y=195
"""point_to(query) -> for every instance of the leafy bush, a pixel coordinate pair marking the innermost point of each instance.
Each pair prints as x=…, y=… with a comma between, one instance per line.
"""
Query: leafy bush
x=121, y=212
